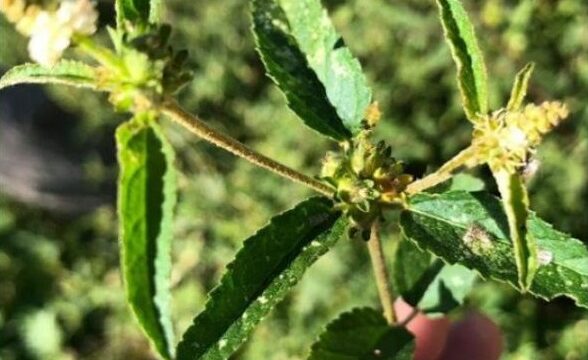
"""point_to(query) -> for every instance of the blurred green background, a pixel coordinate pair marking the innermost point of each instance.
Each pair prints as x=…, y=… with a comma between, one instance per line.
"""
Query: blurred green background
x=60, y=288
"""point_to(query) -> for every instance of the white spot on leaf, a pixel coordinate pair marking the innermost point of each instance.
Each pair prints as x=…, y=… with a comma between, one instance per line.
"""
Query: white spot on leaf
x=478, y=240
x=222, y=343
x=544, y=257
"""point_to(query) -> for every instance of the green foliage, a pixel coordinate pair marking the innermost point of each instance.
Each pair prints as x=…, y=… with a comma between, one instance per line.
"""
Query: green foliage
x=288, y=67
x=363, y=333
x=270, y=263
x=138, y=12
x=471, y=70
x=520, y=87
x=428, y=283
x=472, y=229
x=515, y=201
x=147, y=196
x=448, y=290
x=295, y=35
x=222, y=198
x=65, y=72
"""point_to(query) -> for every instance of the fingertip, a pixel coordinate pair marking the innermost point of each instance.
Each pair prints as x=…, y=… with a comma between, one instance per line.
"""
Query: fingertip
x=474, y=337
x=430, y=334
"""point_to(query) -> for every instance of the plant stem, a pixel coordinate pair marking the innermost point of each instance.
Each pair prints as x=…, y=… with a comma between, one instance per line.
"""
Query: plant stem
x=444, y=173
x=204, y=131
x=381, y=273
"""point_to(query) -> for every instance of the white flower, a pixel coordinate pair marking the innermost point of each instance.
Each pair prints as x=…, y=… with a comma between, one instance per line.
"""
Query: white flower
x=513, y=138
x=52, y=31
x=80, y=16
x=49, y=39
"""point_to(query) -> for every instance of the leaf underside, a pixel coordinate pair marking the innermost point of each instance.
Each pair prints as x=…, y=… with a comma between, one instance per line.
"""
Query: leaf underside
x=443, y=225
x=65, y=72
x=146, y=199
x=322, y=81
x=362, y=334
x=471, y=70
x=270, y=263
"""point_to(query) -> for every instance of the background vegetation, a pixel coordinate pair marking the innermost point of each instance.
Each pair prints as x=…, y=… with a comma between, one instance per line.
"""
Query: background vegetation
x=60, y=290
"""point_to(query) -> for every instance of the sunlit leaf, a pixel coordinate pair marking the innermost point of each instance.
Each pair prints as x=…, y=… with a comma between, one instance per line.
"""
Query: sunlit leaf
x=146, y=199
x=472, y=229
x=515, y=201
x=65, y=72
x=268, y=266
x=519, y=89
x=471, y=70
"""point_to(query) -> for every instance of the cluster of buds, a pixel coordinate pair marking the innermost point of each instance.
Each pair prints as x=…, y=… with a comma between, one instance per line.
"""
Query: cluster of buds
x=505, y=139
x=50, y=25
x=148, y=66
x=366, y=179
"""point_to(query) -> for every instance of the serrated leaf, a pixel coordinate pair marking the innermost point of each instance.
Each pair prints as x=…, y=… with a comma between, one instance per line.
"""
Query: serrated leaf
x=289, y=69
x=515, y=201
x=270, y=263
x=519, y=88
x=323, y=82
x=363, y=334
x=428, y=283
x=471, y=70
x=146, y=199
x=65, y=72
x=138, y=11
x=444, y=224
x=336, y=67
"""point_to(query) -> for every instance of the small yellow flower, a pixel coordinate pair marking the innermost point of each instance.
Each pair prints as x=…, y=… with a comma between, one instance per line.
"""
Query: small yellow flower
x=505, y=139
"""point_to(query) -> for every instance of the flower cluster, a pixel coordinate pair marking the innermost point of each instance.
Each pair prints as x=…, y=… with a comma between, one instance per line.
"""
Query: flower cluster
x=51, y=28
x=505, y=139
x=366, y=179
x=146, y=67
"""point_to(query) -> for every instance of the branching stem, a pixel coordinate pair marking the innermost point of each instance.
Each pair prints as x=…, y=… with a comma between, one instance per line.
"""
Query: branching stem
x=381, y=273
x=444, y=173
x=204, y=131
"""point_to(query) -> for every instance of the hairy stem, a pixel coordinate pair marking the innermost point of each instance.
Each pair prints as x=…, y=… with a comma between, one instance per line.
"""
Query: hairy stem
x=381, y=273
x=444, y=173
x=204, y=131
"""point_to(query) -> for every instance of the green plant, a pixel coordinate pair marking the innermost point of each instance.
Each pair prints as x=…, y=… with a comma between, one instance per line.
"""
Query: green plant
x=324, y=85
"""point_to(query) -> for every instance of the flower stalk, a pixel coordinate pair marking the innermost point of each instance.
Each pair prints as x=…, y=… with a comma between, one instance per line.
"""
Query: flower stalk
x=382, y=278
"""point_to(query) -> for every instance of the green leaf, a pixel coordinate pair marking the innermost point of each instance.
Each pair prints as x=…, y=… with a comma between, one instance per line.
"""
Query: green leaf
x=426, y=282
x=516, y=206
x=448, y=290
x=519, y=89
x=336, y=67
x=472, y=229
x=471, y=70
x=289, y=69
x=363, y=334
x=270, y=263
x=146, y=199
x=323, y=82
x=65, y=72
x=138, y=12
x=413, y=271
